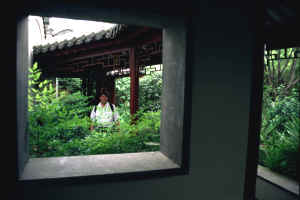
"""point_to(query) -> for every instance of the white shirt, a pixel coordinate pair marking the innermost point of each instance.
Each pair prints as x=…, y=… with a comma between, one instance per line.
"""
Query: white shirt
x=104, y=115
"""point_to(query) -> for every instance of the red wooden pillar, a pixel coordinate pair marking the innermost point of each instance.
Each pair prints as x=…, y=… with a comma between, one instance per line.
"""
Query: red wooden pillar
x=134, y=82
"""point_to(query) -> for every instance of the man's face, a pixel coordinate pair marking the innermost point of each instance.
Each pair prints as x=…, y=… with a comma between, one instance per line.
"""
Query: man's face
x=103, y=99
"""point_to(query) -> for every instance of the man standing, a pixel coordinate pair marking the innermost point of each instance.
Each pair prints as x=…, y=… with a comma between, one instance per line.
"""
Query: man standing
x=104, y=115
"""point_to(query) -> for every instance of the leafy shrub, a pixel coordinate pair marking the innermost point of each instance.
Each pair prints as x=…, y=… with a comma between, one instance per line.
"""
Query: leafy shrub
x=123, y=92
x=276, y=114
x=280, y=153
x=150, y=92
x=73, y=137
x=148, y=126
x=279, y=137
x=71, y=85
x=75, y=104
x=52, y=136
x=40, y=92
x=105, y=143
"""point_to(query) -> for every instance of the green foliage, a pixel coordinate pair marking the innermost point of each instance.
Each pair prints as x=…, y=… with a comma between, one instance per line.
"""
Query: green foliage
x=73, y=137
x=280, y=151
x=55, y=138
x=277, y=113
x=123, y=92
x=40, y=92
x=71, y=85
x=75, y=104
x=279, y=136
x=150, y=89
x=118, y=142
x=129, y=137
x=148, y=126
x=60, y=126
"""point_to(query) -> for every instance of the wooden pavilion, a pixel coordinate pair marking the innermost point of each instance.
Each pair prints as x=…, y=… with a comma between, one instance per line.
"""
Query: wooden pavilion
x=99, y=58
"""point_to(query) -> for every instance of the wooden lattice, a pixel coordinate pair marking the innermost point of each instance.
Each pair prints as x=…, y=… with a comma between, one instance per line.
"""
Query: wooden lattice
x=148, y=70
x=279, y=56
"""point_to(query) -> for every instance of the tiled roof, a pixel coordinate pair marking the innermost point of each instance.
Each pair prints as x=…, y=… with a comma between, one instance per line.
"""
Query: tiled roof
x=109, y=34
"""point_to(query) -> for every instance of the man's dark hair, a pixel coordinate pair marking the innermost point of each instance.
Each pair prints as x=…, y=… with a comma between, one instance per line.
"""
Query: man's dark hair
x=103, y=91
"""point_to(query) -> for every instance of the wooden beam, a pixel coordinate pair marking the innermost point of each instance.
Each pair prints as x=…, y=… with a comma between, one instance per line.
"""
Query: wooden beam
x=134, y=82
x=107, y=52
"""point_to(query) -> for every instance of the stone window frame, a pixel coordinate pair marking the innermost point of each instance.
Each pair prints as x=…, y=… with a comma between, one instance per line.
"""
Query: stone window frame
x=173, y=157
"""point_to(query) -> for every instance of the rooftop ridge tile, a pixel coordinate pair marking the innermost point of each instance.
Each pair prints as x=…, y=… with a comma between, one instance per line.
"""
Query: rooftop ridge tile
x=68, y=43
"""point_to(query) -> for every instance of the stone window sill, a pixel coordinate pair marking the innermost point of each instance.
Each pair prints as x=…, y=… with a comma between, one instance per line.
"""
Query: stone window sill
x=278, y=180
x=95, y=165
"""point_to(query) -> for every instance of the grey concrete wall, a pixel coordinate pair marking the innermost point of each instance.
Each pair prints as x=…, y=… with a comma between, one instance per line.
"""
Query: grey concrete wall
x=221, y=73
x=21, y=82
x=174, y=62
x=221, y=62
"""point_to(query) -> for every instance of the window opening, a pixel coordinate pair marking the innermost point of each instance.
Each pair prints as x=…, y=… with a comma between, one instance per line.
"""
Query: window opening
x=279, y=134
x=69, y=73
